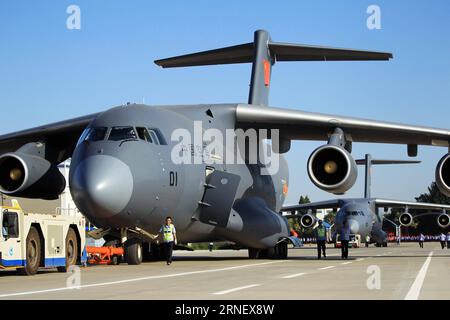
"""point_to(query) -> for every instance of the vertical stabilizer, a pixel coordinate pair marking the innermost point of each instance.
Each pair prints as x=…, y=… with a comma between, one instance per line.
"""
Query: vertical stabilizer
x=261, y=69
x=368, y=161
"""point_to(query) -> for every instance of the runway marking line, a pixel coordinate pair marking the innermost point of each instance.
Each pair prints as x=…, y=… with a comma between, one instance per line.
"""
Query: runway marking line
x=294, y=275
x=101, y=284
x=326, y=268
x=414, y=291
x=348, y=262
x=236, y=289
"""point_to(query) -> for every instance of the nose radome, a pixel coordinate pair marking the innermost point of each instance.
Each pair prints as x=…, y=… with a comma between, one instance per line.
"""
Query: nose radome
x=354, y=226
x=101, y=186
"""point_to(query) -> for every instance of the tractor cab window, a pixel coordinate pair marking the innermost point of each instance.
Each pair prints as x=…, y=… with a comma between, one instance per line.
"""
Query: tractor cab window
x=10, y=224
x=122, y=133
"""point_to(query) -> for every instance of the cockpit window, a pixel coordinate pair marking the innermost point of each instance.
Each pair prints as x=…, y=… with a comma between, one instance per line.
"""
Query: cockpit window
x=122, y=133
x=143, y=134
x=157, y=136
x=154, y=136
x=96, y=134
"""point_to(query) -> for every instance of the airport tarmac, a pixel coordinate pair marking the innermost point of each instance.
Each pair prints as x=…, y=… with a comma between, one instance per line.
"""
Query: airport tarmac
x=395, y=272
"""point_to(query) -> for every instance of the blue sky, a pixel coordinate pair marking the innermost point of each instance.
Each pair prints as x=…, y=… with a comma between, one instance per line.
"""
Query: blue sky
x=49, y=73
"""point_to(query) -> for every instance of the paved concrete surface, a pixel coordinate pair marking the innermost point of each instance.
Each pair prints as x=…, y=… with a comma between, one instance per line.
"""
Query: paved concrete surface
x=391, y=273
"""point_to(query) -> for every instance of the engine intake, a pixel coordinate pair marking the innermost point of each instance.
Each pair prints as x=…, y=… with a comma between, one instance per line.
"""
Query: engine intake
x=332, y=169
x=443, y=175
x=443, y=220
x=406, y=219
x=308, y=220
x=29, y=176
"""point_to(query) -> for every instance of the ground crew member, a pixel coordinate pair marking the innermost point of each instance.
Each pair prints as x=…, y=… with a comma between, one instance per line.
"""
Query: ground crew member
x=345, y=239
x=421, y=240
x=367, y=241
x=321, y=236
x=448, y=240
x=169, y=238
x=443, y=240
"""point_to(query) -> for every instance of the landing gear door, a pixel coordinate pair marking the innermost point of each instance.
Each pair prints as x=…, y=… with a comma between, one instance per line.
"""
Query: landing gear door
x=220, y=190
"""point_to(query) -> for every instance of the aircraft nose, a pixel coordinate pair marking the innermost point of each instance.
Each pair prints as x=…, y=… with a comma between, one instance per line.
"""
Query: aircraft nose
x=101, y=186
x=354, y=226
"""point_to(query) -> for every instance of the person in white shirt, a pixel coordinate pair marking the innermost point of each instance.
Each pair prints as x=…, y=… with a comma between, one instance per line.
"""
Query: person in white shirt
x=421, y=240
x=448, y=240
x=345, y=239
x=443, y=240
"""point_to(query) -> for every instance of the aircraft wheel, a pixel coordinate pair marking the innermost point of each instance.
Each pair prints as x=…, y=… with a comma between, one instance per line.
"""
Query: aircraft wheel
x=283, y=250
x=71, y=251
x=133, y=251
x=271, y=253
x=253, y=253
x=33, y=253
x=115, y=260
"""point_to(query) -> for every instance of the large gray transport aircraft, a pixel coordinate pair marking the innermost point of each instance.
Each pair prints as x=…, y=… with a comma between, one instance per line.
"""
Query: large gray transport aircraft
x=124, y=180
x=363, y=215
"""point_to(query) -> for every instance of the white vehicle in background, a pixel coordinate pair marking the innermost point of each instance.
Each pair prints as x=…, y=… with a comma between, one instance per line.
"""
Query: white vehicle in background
x=355, y=241
x=29, y=241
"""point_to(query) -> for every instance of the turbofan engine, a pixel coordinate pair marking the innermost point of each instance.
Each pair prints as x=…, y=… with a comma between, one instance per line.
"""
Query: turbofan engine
x=332, y=169
x=406, y=219
x=308, y=220
x=30, y=176
x=443, y=220
x=443, y=175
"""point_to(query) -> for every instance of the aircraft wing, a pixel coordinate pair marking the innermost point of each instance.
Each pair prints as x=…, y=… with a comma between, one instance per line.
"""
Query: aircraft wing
x=328, y=204
x=62, y=136
x=301, y=125
x=411, y=205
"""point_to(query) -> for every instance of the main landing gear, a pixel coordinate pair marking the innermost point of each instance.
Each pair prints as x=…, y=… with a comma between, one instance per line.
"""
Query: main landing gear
x=280, y=251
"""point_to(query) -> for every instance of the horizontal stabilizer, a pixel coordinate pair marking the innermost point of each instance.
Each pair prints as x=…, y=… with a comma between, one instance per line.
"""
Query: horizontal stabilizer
x=243, y=53
x=263, y=53
x=296, y=52
x=379, y=161
x=236, y=54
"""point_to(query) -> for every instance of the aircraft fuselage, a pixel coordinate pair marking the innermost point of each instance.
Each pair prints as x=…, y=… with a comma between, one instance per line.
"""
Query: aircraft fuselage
x=122, y=179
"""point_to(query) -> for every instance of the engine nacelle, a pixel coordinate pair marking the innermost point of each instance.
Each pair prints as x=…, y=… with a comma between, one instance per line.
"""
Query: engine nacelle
x=30, y=176
x=406, y=219
x=308, y=220
x=443, y=175
x=443, y=220
x=332, y=169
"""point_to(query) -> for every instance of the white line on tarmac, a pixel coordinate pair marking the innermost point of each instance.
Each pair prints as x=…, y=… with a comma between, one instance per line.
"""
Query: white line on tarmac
x=294, y=275
x=414, y=291
x=348, y=262
x=137, y=279
x=360, y=259
x=236, y=289
x=325, y=268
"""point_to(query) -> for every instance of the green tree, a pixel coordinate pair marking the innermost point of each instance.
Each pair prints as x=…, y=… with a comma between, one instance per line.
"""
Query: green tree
x=434, y=195
x=330, y=217
x=304, y=199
